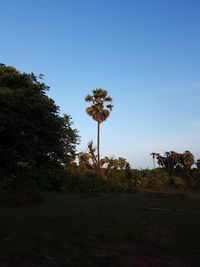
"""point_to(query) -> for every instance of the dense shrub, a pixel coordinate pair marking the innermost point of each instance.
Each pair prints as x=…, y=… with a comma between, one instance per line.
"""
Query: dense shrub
x=177, y=182
x=194, y=179
x=30, y=184
x=51, y=179
x=130, y=181
x=150, y=179
x=47, y=179
x=89, y=182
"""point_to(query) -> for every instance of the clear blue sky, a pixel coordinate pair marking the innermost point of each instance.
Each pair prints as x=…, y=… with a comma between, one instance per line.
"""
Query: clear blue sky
x=146, y=53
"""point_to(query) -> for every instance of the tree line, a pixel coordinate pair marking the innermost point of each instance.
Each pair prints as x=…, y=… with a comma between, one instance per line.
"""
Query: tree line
x=175, y=161
x=38, y=144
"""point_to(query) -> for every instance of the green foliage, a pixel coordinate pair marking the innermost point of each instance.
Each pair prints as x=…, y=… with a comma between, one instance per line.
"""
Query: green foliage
x=37, y=147
x=86, y=183
x=150, y=179
x=32, y=133
x=99, y=110
x=51, y=178
x=173, y=160
x=85, y=179
x=177, y=182
x=102, y=168
x=194, y=182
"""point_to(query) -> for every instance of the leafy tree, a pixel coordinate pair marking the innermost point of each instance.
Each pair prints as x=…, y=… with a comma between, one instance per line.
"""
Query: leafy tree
x=32, y=133
x=99, y=110
x=187, y=161
x=160, y=160
x=174, y=160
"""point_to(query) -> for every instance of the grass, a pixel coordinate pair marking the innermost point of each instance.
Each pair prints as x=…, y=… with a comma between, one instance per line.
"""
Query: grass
x=111, y=229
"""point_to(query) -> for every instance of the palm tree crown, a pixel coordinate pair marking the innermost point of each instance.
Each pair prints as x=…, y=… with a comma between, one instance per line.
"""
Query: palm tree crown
x=99, y=110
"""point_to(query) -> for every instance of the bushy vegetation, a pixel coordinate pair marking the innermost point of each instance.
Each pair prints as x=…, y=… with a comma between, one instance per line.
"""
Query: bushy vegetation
x=84, y=225
x=38, y=148
x=35, y=141
x=132, y=180
x=174, y=174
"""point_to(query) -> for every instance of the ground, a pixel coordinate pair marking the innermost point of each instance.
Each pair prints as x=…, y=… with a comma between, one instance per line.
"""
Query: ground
x=111, y=229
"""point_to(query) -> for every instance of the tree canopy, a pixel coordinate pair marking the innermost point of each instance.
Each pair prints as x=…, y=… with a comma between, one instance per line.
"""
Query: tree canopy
x=99, y=110
x=32, y=133
x=172, y=159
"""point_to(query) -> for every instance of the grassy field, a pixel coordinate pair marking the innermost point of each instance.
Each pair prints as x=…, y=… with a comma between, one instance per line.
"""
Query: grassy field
x=111, y=229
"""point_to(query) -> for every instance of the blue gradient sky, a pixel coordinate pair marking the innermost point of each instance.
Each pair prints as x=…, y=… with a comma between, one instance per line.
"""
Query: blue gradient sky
x=145, y=53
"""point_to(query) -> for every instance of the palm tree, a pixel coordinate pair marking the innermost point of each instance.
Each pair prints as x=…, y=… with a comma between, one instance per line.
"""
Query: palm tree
x=187, y=161
x=99, y=110
x=160, y=160
x=153, y=154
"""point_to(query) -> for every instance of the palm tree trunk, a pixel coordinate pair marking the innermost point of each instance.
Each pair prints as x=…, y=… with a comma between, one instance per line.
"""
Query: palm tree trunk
x=154, y=164
x=98, y=141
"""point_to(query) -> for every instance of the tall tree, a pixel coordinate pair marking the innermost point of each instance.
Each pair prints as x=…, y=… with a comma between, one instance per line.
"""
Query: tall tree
x=101, y=105
x=32, y=133
x=174, y=160
x=187, y=161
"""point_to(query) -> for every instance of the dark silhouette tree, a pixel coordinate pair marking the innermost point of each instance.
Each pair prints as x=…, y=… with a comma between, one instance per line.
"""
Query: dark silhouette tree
x=172, y=160
x=160, y=160
x=99, y=110
x=32, y=133
x=176, y=161
x=187, y=162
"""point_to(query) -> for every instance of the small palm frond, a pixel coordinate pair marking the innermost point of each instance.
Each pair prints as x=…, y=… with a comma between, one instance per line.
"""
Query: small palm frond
x=110, y=106
x=108, y=99
x=88, y=98
x=105, y=114
x=89, y=111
